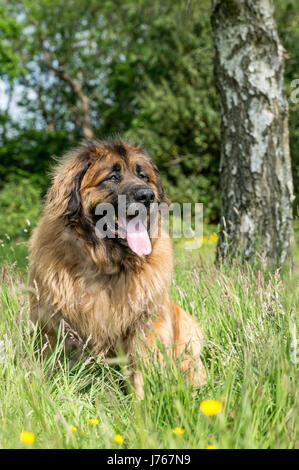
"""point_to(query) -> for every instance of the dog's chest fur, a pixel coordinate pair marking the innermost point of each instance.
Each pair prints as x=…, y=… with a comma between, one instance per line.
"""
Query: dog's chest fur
x=101, y=306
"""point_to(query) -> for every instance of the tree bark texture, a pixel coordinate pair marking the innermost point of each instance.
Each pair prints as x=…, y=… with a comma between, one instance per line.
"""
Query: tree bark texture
x=255, y=167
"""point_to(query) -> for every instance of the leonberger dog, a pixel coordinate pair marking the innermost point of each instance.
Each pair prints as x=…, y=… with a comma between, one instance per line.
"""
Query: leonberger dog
x=113, y=290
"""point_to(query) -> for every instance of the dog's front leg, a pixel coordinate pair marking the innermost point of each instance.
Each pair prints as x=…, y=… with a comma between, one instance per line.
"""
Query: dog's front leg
x=153, y=341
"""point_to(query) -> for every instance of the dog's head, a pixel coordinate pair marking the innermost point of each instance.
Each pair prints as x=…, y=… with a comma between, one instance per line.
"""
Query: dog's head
x=114, y=188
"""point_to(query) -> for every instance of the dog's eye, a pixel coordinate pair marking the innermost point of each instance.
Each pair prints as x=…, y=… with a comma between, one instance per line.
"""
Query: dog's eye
x=141, y=173
x=114, y=178
x=144, y=177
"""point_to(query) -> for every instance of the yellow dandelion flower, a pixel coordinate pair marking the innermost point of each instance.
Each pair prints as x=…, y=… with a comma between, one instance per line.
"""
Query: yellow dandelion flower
x=210, y=407
x=93, y=421
x=118, y=438
x=214, y=237
x=27, y=437
x=73, y=428
x=211, y=447
x=178, y=431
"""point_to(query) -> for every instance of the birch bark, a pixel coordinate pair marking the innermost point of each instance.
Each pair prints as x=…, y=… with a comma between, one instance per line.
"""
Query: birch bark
x=255, y=168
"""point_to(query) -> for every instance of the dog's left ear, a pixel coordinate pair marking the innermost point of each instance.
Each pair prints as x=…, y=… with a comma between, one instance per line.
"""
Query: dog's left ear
x=74, y=207
x=161, y=193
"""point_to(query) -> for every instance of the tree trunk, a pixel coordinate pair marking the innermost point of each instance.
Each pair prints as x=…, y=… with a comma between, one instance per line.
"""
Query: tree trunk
x=77, y=88
x=255, y=168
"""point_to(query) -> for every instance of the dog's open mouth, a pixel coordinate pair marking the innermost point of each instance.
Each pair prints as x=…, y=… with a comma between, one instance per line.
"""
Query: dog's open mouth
x=129, y=231
x=135, y=233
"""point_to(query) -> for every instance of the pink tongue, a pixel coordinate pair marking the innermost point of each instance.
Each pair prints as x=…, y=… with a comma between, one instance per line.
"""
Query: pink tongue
x=137, y=238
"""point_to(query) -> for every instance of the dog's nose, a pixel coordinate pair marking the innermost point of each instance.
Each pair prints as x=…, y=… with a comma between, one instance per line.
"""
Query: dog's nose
x=144, y=196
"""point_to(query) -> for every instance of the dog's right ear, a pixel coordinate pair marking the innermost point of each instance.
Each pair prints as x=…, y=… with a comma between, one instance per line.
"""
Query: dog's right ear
x=74, y=207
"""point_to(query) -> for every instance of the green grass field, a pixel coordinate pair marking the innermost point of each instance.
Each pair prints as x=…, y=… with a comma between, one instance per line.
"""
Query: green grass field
x=248, y=316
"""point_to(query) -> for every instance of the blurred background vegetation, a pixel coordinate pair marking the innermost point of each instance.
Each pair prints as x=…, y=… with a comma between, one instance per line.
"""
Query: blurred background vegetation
x=146, y=69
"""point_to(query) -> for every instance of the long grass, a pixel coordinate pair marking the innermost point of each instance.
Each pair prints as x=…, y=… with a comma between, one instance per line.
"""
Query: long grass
x=249, y=318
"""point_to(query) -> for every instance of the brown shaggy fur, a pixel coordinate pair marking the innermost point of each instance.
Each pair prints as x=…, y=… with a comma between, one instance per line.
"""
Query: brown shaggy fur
x=103, y=290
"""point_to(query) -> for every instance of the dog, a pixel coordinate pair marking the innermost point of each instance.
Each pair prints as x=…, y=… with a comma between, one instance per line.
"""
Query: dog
x=113, y=290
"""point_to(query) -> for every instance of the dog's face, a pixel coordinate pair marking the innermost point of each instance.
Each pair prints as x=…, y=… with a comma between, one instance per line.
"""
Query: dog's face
x=108, y=171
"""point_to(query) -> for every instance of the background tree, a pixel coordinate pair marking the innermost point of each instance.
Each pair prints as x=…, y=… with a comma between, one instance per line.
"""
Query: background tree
x=256, y=178
x=64, y=48
x=145, y=70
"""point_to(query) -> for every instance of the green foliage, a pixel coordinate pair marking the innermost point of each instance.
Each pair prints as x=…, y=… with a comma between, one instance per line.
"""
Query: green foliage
x=147, y=69
x=229, y=7
x=166, y=100
x=20, y=201
x=31, y=150
x=73, y=38
x=9, y=33
x=178, y=119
